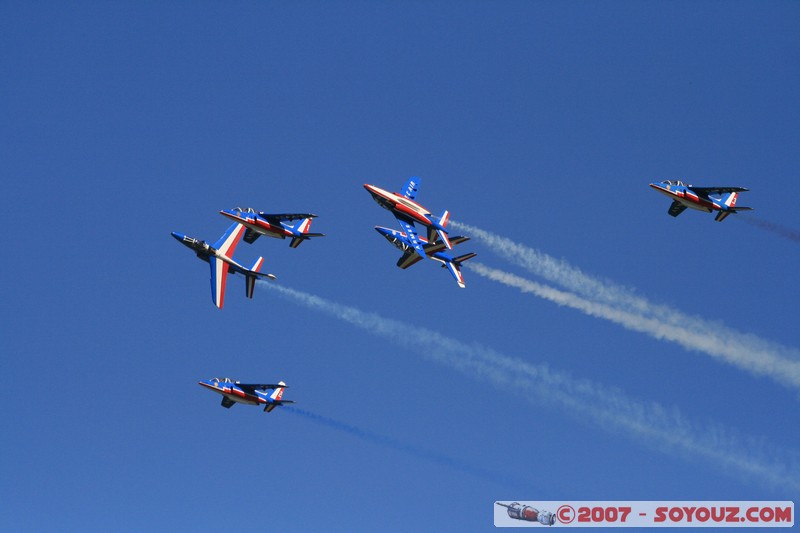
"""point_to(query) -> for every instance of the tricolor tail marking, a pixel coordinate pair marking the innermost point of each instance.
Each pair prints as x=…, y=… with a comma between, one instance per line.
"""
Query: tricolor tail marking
x=278, y=393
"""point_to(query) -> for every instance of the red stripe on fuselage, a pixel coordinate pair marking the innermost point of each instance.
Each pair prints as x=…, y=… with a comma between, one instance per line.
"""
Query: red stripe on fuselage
x=687, y=198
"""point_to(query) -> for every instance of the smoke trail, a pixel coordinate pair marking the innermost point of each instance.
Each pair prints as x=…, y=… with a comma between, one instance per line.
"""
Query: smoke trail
x=781, y=231
x=760, y=363
x=409, y=449
x=744, y=350
x=557, y=271
x=650, y=423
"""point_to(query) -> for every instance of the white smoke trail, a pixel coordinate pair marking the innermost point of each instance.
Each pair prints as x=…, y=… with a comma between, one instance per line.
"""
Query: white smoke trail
x=557, y=271
x=764, y=363
x=621, y=305
x=650, y=423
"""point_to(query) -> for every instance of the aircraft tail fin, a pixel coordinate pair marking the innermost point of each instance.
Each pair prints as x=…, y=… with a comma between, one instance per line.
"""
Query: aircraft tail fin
x=277, y=394
x=441, y=229
x=301, y=232
x=454, y=266
x=276, y=398
x=730, y=203
x=250, y=279
x=270, y=406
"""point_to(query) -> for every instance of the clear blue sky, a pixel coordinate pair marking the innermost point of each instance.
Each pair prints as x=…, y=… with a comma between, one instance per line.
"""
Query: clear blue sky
x=542, y=122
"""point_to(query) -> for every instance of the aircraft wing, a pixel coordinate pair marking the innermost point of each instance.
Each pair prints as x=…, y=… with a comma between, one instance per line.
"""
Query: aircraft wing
x=251, y=387
x=219, y=276
x=438, y=245
x=237, y=270
x=227, y=243
x=676, y=208
x=411, y=187
x=227, y=403
x=409, y=258
x=412, y=236
x=275, y=218
x=250, y=236
x=705, y=191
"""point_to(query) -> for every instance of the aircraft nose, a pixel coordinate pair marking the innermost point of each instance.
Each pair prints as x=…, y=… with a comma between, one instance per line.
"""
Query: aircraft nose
x=179, y=236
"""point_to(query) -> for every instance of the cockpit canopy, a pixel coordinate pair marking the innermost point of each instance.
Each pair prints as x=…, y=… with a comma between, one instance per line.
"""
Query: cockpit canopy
x=676, y=182
x=244, y=209
x=222, y=380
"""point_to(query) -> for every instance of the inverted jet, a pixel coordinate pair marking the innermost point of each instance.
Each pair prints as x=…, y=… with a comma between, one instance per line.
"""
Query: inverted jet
x=435, y=250
x=407, y=211
x=279, y=226
x=700, y=198
x=219, y=256
x=270, y=395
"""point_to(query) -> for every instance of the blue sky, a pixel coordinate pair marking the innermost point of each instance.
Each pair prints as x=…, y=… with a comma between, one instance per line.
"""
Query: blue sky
x=539, y=122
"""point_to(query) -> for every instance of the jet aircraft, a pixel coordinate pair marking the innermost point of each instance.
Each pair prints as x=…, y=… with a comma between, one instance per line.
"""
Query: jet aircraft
x=276, y=226
x=247, y=393
x=220, y=258
x=699, y=198
x=528, y=513
x=434, y=250
x=407, y=211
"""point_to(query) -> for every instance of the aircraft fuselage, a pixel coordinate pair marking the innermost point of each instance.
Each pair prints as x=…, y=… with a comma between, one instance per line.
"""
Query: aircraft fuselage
x=234, y=393
x=259, y=225
x=204, y=250
x=399, y=204
x=688, y=198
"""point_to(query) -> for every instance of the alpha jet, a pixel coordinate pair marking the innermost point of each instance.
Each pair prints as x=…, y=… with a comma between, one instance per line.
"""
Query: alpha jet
x=247, y=393
x=276, y=226
x=407, y=211
x=528, y=513
x=220, y=258
x=434, y=250
x=700, y=198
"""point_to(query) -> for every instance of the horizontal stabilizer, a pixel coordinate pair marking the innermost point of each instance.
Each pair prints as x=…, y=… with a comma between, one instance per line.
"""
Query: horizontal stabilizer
x=297, y=240
x=270, y=406
x=461, y=258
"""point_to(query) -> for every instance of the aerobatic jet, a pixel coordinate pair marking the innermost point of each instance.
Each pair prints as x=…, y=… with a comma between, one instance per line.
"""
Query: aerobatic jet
x=435, y=250
x=276, y=226
x=700, y=198
x=407, y=212
x=220, y=258
x=529, y=514
x=247, y=393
